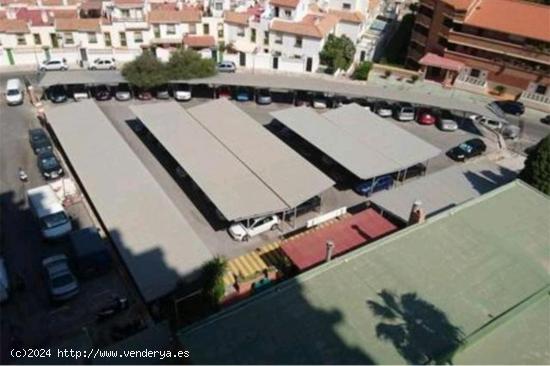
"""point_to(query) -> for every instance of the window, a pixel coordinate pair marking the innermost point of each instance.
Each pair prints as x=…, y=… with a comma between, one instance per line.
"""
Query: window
x=298, y=42
x=346, y=6
x=37, y=40
x=123, y=41
x=138, y=37
x=279, y=38
x=125, y=13
x=55, y=38
x=156, y=30
x=442, y=41
x=218, y=6
x=170, y=29
x=266, y=38
x=107, y=37
x=288, y=13
x=192, y=29
x=541, y=89
x=448, y=22
x=68, y=36
x=475, y=73
x=206, y=28
x=220, y=30
x=92, y=37
x=240, y=32
x=21, y=41
x=253, y=35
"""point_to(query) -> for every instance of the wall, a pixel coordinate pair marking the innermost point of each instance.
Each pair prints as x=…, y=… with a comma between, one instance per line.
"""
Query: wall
x=351, y=30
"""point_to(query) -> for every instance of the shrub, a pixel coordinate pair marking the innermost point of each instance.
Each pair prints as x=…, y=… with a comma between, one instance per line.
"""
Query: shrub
x=362, y=71
x=537, y=167
x=213, y=288
x=337, y=53
x=188, y=64
x=499, y=89
x=145, y=71
x=387, y=74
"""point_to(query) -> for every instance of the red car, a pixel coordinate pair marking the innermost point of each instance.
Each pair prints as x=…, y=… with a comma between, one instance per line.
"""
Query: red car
x=426, y=117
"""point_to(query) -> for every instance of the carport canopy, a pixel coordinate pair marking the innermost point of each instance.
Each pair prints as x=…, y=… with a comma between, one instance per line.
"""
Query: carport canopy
x=395, y=143
x=291, y=177
x=341, y=146
x=157, y=244
x=236, y=191
x=88, y=77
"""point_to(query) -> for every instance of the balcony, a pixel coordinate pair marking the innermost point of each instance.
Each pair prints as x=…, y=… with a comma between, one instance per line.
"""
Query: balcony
x=423, y=20
x=419, y=38
x=414, y=54
x=504, y=48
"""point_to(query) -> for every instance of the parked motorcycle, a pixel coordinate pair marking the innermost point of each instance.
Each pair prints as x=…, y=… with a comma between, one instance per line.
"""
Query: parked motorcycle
x=23, y=177
x=118, y=305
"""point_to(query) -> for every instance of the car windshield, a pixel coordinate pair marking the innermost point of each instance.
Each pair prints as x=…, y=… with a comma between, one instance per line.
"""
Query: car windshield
x=408, y=110
x=264, y=92
x=53, y=220
x=63, y=280
x=446, y=115
x=49, y=162
x=183, y=87
x=465, y=147
x=13, y=92
x=38, y=137
x=123, y=88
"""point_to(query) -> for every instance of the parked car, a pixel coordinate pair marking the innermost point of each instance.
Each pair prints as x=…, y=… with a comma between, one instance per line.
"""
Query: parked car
x=302, y=98
x=242, y=94
x=54, y=64
x=319, y=101
x=182, y=92
x=102, y=63
x=446, y=121
x=56, y=94
x=162, y=92
x=426, y=116
x=4, y=282
x=227, y=66
x=382, y=108
x=367, y=187
x=490, y=123
x=39, y=140
x=123, y=92
x=467, y=150
x=241, y=232
x=102, y=92
x=49, y=165
x=403, y=112
x=510, y=107
x=224, y=92
x=62, y=284
x=143, y=94
x=510, y=131
x=546, y=120
x=15, y=92
x=78, y=91
x=410, y=172
x=263, y=97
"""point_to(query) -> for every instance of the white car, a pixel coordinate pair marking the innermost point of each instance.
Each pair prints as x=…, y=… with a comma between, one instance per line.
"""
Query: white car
x=102, y=64
x=241, y=232
x=182, y=92
x=54, y=64
x=489, y=123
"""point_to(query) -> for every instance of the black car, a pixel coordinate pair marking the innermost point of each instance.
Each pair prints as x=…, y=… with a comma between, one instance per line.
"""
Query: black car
x=546, y=120
x=511, y=107
x=467, y=150
x=56, y=94
x=40, y=142
x=102, y=93
x=49, y=165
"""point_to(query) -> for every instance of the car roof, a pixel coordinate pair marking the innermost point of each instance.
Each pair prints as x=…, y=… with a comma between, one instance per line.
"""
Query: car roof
x=37, y=131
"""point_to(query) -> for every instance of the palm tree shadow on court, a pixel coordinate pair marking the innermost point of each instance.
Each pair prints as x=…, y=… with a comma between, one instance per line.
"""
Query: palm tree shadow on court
x=419, y=331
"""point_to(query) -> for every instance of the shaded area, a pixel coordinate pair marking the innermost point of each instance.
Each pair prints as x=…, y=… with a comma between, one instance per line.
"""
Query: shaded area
x=419, y=331
x=396, y=49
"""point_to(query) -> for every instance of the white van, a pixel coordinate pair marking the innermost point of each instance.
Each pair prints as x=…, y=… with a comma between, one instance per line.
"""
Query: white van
x=46, y=207
x=14, y=92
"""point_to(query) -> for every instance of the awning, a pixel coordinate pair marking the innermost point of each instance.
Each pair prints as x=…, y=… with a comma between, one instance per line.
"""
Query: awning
x=431, y=59
x=244, y=46
x=199, y=41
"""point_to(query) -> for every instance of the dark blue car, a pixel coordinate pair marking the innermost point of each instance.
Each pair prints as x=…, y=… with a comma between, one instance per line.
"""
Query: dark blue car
x=367, y=187
x=242, y=95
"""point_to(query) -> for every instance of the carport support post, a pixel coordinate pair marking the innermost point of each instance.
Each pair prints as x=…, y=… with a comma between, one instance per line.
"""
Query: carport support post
x=294, y=218
x=426, y=166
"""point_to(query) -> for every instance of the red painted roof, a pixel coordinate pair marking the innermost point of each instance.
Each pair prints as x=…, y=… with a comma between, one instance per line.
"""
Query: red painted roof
x=310, y=249
x=431, y=59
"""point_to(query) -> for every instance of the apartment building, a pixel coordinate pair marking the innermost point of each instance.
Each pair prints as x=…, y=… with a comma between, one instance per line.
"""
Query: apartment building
x=485, y=45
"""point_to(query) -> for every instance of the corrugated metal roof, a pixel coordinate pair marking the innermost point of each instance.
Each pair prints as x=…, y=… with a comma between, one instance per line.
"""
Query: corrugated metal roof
x=155, y=241
x=288, y=174
x=444, y=189
x=343, y=147
x=99, y=77
x=233, y=188
x=395, y=143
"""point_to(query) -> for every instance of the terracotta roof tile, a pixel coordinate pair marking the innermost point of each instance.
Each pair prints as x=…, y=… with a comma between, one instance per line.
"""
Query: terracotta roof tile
x=459, y=4
x=63, y=13
x=348, y=16
x=199, y=41
x=129, y=3
x=174, y=16
x=91, y=5
x=234, y=17
x=285, y=3
x=52, y=2
x=311, y=26
x=34, y=17
x=13, y=26
x=77, y=24
x=512, y=16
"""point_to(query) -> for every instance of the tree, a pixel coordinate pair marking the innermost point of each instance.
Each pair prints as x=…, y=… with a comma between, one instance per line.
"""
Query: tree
x=188, y=64
x=145, y=71
x=537, y=166
x=213, y=288
x=337, y=53
x=362, y=71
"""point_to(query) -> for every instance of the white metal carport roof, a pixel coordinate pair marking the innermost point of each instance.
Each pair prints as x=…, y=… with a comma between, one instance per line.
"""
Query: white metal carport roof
x=293, y=179
x=155, y=241
x=383, y=136
x=89, y=77
x=231, y=186
x=444, y=189
x=343, y=147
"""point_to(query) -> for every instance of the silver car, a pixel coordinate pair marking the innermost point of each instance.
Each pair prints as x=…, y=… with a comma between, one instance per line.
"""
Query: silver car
x=62, y=284
x=446, y=121
x=226, y=66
